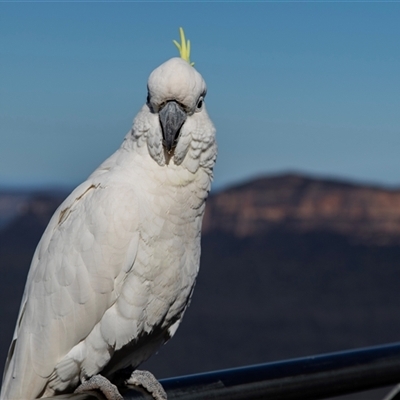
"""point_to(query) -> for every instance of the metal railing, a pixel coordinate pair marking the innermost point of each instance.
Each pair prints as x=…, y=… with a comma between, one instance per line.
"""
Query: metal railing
x=315, y=377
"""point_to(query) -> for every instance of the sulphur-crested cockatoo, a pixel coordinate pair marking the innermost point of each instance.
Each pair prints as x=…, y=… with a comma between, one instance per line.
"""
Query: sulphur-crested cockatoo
x=115, y=269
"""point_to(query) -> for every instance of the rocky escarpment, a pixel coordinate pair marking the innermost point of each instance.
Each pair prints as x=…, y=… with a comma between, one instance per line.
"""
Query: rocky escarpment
x=301, y=204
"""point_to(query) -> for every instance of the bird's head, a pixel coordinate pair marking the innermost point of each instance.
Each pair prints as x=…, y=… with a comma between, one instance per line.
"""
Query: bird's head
x=174, y=122
x=176, y=92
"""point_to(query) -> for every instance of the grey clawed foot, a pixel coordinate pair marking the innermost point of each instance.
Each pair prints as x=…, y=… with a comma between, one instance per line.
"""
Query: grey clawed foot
x=99, y=382
x=147, y=380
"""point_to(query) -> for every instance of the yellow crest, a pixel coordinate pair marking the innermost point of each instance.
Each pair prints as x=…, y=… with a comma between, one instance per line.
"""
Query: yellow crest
x=184, y=47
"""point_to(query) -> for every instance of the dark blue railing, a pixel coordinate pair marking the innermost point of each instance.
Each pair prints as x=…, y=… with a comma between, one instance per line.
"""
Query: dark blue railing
x=315, y=377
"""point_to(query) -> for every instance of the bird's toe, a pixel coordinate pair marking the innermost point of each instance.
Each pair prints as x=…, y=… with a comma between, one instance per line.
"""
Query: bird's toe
x=148, y=381
x=99, y=382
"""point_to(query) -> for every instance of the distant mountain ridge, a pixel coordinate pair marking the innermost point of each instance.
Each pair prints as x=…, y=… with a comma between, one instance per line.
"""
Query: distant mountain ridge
x=17, y=203
x=25, y=216
x=301, y=204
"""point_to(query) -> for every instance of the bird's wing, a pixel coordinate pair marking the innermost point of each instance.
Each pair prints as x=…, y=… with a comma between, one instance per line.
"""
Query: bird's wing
x=76, y=273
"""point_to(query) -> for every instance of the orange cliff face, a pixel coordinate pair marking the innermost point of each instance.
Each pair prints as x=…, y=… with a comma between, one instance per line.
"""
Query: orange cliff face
x=365, y=214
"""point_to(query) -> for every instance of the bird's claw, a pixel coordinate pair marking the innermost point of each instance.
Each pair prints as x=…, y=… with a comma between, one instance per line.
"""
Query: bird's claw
x=99, y=382
x=148, y=381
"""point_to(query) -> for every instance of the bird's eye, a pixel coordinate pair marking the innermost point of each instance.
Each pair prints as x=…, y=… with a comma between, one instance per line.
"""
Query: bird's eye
x=200, y=103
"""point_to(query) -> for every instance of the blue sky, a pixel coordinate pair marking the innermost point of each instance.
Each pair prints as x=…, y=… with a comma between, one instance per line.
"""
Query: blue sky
x=302, y=86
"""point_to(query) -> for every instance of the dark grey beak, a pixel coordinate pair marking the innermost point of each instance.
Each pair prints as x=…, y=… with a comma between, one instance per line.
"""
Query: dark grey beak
x=172, y=117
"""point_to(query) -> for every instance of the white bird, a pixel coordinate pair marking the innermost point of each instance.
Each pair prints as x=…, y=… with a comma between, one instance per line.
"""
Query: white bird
x=115, y=268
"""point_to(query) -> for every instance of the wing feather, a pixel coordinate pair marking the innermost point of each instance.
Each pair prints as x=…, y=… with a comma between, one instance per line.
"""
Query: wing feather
x=75, y=275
